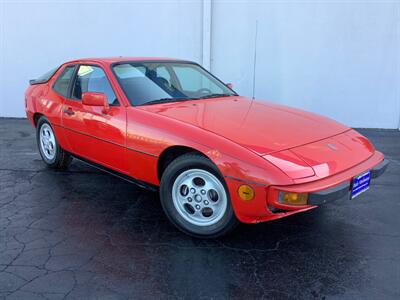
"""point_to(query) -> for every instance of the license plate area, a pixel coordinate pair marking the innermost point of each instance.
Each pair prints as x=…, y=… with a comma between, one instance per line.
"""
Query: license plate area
x=360, y=184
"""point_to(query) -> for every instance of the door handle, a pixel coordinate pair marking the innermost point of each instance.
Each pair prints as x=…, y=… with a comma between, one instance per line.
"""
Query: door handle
x=69, y=111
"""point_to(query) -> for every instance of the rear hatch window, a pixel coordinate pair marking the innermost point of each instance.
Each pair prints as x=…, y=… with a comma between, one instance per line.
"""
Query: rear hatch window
x=44, y=78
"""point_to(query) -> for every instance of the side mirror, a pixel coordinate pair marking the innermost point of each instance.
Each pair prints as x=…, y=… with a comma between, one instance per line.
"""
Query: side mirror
x=95, y=99
x=229, y=85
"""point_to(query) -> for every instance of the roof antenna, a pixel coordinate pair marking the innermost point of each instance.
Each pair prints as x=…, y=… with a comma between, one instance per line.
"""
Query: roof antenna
x=255, y=60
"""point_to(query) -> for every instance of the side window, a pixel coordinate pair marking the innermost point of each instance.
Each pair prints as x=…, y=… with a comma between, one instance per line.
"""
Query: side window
x=93, y=79
x=62, y=82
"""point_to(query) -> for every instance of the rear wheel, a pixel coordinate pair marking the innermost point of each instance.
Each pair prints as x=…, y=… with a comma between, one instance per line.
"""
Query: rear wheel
x=50, y=151
x=195, y=197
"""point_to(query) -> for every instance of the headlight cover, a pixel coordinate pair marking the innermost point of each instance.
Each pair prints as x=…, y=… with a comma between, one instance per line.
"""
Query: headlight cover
x=292, y=165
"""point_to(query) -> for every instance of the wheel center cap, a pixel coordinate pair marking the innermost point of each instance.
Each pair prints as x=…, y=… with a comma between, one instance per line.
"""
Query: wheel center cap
x=197, y=198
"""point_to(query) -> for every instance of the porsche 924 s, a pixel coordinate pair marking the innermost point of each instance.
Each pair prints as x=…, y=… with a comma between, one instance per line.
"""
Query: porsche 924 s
x=215, y=157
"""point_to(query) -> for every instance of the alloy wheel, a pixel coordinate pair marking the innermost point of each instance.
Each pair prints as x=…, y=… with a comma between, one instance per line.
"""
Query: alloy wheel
x=199, y=197
x=47, y=141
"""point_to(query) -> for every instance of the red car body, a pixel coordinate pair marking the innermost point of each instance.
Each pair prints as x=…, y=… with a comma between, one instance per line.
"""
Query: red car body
x=269, y=147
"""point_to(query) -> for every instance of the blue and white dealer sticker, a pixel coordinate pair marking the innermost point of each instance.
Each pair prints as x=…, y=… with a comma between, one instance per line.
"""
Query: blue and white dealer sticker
x=360, y=184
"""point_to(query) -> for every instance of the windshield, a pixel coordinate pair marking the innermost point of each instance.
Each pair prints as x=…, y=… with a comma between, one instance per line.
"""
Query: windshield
x=159, y=82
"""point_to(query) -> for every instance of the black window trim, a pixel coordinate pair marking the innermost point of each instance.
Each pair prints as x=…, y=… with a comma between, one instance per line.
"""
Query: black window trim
x=74, y=76
x=122, y=62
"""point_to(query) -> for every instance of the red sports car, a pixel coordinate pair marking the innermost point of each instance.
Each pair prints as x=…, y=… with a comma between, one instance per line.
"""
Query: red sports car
x=216, y=157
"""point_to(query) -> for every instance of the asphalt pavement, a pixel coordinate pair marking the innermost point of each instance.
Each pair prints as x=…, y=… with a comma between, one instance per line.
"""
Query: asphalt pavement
x=83, y=234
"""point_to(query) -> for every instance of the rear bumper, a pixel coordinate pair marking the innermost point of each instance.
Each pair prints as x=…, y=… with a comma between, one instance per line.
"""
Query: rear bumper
x=29, y=115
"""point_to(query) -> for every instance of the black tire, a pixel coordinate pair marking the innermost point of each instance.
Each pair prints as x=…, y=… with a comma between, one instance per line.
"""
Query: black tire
x=61, y=159
x=181, y=164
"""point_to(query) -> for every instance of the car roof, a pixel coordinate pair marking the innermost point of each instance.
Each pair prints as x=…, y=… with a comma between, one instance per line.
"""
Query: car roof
x=111, y=60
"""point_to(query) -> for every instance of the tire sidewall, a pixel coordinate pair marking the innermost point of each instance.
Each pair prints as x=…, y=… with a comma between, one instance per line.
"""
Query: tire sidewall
x=171, y=173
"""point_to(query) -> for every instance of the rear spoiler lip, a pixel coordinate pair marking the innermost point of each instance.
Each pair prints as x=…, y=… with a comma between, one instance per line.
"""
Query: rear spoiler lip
x=46, y=79
x=35, y=81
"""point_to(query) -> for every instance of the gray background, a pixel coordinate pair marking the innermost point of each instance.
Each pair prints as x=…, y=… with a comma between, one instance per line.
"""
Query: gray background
x=337, y=58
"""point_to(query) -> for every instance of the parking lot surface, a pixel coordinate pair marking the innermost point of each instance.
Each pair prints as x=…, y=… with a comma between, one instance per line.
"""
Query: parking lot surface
x=83, y=234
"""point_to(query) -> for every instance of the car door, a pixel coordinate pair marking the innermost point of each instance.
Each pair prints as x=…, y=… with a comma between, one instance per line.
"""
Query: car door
x=92, y=133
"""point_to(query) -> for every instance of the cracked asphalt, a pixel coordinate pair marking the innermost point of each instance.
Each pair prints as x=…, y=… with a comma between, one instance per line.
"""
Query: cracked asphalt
x=83, y=234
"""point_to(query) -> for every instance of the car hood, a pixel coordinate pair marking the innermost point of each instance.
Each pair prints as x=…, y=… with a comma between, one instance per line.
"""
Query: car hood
x=262, y=127
x=325, y=157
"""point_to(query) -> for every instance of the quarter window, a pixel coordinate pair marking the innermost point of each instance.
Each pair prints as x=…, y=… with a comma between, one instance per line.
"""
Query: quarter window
x=93, y=79
x=62, y=82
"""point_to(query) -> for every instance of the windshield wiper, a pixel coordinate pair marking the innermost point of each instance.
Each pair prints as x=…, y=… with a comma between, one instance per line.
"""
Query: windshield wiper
x=214, y=96
x=165, y=100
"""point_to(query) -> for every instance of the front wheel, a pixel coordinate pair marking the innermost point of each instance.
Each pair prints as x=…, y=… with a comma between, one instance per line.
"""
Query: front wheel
x=195, y=197
x=50, y=151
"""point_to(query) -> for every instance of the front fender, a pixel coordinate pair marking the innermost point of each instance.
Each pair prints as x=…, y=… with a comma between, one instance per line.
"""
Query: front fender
x=152, y=134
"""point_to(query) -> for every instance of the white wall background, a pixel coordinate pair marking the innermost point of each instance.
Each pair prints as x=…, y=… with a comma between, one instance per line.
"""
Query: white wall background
x=36, y=36
x=337, y=58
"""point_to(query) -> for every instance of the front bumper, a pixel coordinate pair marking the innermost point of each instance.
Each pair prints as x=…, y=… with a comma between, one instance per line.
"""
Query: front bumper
x=379, y=169
x=266, y=206
x=328, y=189
x=342, y=190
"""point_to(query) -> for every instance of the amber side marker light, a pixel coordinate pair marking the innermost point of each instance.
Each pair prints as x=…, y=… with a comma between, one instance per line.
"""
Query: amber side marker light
x=293, y=198
x=246, y=192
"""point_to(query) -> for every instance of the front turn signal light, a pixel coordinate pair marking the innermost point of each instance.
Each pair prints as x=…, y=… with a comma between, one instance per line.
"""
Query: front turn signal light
x=290, y=198
x=246, y=192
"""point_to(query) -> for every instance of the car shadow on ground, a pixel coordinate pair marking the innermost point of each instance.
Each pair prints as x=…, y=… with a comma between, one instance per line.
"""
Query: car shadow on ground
x=112, y=227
